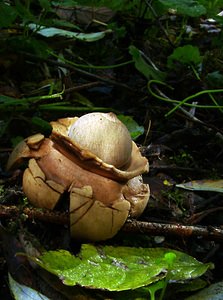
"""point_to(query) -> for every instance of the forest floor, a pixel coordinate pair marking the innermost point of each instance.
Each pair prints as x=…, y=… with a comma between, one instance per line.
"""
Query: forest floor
x=47, y=77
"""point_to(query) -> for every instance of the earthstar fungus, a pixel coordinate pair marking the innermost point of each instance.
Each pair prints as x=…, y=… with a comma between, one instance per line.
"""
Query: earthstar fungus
x=94, y=159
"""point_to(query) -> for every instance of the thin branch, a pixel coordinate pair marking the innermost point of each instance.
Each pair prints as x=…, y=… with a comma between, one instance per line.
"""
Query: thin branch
x=131, y=226
x=82, y=87
x=39, y=214
x=151, y=228
x=80, y=71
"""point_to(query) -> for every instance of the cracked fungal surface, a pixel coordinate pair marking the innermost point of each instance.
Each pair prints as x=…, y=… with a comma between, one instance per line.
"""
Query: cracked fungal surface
x=104, y=190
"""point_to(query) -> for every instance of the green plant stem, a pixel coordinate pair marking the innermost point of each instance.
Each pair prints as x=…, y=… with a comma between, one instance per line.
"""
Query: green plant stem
x=24, y=102
x=195, y=72
x=80, y=71
x=215, y=102
x=169, y=258
x=209, y=94
x=163, y=289
x=182, y=30
x=53, y=107
x=153, y=288
x=90, y=66
x=184, y=101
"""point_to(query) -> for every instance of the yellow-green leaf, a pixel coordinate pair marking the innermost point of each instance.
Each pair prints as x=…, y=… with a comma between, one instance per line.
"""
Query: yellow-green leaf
x=128, y=267
x=203, y=185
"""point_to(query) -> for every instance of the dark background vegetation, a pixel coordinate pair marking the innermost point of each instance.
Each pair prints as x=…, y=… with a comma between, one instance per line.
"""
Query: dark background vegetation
x=159, y=62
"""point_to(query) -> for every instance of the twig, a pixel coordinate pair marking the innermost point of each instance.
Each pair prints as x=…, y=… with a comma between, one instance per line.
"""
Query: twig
x=40, y=214
x=82, y=87
x=83, y=72
x=131, y=226
x=151, y=228
x=155, y=166
x=197, y=217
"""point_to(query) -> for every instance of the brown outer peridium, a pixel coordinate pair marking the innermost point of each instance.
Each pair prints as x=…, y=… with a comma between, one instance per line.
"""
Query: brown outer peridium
x=67, y=173
x=58, y=159
x=92, y=220
x=32, y=146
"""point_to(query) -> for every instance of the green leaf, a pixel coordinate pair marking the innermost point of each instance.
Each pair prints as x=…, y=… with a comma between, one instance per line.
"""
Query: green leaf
x=4, y=125
x=45, y=4
x=16, y=140
x=134, y=129
x=65, y=3
x=187, y=55
x=79, y=98
x=63, y=23
x=42, y=125
x=141, y=65
x=129, y=268
x=203, y=185
x=7, y=15
x=190, y=8
x=24, y=13
x=213, y=8
x=29, y=44
x=21, y=292
x=215, y=79
x=6, y=101
x=53, y=31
